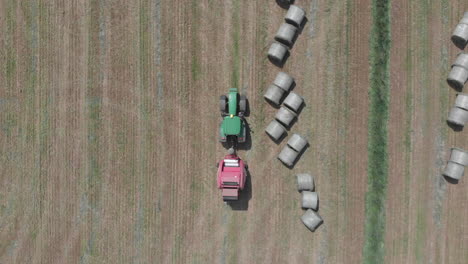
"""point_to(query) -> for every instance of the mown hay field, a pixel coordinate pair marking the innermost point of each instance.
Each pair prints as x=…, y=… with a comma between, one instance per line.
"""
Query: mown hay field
x=109, y=118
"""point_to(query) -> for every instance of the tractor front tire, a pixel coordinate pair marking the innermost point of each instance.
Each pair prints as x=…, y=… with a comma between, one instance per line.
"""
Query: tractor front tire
x=222, y=104
x=243, y=104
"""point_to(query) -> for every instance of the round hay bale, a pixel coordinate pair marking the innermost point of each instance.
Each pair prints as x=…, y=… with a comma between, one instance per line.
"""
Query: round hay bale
x=286, y=34
x=285, y=116
x=462, y=101
x=284, y=81
x=457, y=116
x=288, y=156
x=309, y=200
x=293, y=101
x=295, y=16
x=305, y=182
x=461, y=60
x=457, y=77
x=277, y=52
x=454, y=170
x=297, y=142
x=459, y=156
x=275, y=130
x=274, y=94
x=460, y=34
x=311, y=220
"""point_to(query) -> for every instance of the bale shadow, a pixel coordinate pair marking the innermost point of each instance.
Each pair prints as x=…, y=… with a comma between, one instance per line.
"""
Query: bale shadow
x=285, y=94
x=455, y=85
x=450, y=180
x=296, y=36
x=273, y=104
x=317, y=227
x=284, y=5
x=296, y=119
x=299, y=156
x=318, y=203
x=302, y=26
x=242, y=204
x=278, y=63
x=277, y=142
x=458, y=42
x=454, y=127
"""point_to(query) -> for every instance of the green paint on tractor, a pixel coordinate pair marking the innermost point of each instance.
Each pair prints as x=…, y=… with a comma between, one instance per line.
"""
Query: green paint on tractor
x=233, y=125
x=232, y=102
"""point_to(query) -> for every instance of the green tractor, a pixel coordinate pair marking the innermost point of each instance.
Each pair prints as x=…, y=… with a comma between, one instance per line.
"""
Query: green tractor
x=233, y=127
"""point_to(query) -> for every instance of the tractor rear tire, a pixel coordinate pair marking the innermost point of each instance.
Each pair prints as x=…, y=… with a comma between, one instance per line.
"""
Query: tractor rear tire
x=222, y=104
x=243, y=104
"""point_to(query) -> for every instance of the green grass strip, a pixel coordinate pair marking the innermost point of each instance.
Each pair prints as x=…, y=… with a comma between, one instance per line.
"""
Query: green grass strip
x=374, y=250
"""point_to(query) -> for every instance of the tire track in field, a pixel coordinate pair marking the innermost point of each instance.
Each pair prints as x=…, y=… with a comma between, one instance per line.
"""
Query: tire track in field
x=170, y=124
x=355, y=105
x=440, y=144
x=142, y=139
x=91, y=200
x=180, y=103
x=401, y=134
x=13, y=196
x=159, y=123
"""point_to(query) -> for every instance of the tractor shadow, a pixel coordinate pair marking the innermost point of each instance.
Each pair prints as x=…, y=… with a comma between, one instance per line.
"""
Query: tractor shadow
x=247, y=108
x=244, y=196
